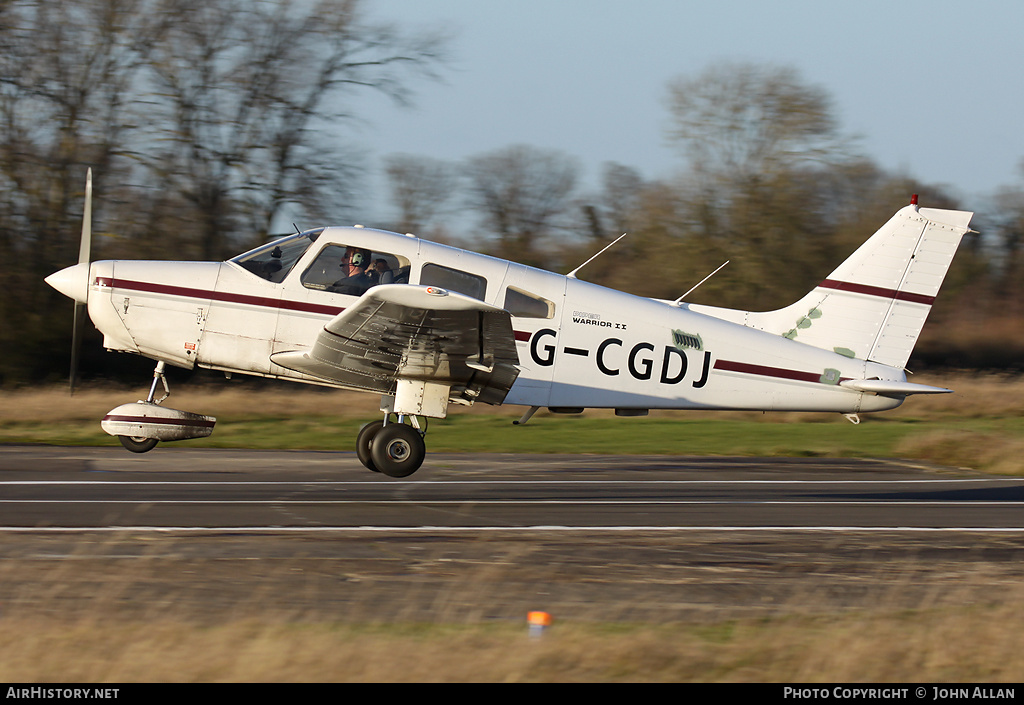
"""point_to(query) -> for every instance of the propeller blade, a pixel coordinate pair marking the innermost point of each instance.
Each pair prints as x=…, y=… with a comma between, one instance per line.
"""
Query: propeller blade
x=84, y=253
x=85, y=247
x=76, y=344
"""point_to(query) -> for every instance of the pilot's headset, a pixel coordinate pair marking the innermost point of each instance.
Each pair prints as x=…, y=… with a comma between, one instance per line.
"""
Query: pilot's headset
x=359, y=258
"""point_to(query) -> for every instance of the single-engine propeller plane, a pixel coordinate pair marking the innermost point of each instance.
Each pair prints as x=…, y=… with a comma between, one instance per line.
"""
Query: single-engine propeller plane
x=425, y=325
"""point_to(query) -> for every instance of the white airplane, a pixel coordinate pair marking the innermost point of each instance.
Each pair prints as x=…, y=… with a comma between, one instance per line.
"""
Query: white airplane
x=425, y=325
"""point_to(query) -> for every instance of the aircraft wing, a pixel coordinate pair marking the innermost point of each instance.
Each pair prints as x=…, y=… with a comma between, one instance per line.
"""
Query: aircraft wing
x=401, y=331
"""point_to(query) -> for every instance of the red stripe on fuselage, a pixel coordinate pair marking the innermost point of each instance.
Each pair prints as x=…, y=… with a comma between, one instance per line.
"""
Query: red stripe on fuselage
x=227, y=297
x=730, y=366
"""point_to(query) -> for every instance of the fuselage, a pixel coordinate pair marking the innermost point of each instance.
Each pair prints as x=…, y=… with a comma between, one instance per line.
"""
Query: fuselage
x=580, y=345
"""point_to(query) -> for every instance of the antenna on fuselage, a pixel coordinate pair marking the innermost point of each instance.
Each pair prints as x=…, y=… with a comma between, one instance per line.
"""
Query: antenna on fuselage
x=694, y=287
x=572, y=274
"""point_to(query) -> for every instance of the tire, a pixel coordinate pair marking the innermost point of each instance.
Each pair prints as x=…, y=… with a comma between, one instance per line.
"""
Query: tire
x=138, y=445
x=398, y=450
x=364, y=442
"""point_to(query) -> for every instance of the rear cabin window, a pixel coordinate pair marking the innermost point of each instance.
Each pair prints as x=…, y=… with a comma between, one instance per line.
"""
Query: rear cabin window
x=523, y=304
x=454, y=280
x=342, y=269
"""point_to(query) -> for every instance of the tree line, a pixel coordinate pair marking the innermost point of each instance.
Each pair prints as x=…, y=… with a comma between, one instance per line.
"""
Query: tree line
x=203, y=120
x=768, y=180
x=207, y=123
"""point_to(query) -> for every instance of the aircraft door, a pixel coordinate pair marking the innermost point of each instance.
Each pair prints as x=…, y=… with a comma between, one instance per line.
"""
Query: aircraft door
x=535, y=299
x=240, y=323
x=332, y=276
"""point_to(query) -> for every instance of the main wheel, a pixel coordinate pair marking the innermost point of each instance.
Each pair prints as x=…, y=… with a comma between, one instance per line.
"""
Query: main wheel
x=138, y=444
x=364, y=441
x=398, y=450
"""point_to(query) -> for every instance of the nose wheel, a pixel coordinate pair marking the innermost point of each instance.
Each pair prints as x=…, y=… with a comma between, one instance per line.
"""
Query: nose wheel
x=138, y=444
x=395, y=449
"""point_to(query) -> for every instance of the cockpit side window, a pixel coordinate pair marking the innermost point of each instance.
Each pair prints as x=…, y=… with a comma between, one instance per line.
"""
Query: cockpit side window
x=523, y=304
x=346, y=269
x=274, y=260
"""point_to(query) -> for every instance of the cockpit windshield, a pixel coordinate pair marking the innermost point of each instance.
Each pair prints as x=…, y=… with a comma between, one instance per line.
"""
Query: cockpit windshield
x=274, y=260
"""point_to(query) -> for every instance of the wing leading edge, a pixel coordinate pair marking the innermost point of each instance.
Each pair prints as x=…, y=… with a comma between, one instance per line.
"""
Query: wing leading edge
x=415, y=333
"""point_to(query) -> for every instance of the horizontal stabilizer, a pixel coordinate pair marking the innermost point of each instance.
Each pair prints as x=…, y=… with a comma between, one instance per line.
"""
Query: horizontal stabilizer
x=883, y=386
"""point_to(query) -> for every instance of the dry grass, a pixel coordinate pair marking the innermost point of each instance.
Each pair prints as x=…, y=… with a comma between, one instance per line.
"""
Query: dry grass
x=53, y=404
x=997, y=453
x=976, y=395
x=978, y=427
x=986, y=398
x=860, y=608
x=981, y=335
x=979, y=643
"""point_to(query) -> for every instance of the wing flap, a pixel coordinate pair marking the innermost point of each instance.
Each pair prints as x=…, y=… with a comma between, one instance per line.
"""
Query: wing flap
x=401, y=331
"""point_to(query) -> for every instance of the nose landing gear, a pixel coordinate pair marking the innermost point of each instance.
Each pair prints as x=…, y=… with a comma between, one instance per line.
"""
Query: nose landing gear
x=141, y=425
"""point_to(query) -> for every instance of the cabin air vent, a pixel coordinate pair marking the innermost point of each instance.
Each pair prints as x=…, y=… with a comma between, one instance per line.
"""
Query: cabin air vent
x=687, y=340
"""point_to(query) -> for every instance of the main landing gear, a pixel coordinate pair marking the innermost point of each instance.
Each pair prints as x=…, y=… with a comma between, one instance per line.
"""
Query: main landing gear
x=392, y=447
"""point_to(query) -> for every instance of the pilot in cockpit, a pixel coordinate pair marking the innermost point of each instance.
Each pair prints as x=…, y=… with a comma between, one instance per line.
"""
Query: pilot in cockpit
x=355, y=281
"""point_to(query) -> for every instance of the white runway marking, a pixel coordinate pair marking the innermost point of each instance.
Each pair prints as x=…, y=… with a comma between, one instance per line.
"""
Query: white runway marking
x=427, y=483
x=403, y=494
x=498, y=529
x=513, y=502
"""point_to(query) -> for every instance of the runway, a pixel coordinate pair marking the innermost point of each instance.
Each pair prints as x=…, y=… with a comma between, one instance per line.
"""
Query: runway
x=218, y=534
x=181, y=489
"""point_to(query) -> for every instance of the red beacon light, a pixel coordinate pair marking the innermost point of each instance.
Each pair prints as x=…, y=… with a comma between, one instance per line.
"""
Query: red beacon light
x=913, y=199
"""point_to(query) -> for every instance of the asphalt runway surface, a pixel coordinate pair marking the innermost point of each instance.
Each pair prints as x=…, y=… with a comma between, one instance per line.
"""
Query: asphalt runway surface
x=190, y=489
x=212, y=533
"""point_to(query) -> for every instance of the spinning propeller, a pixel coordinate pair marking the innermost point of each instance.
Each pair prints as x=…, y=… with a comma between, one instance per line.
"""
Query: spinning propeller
x=73, y=282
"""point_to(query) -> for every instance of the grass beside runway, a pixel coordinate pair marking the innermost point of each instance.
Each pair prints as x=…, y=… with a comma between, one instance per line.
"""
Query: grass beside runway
x=704, y=608
x=143, y=609
x=980, y=427
x=907, y=647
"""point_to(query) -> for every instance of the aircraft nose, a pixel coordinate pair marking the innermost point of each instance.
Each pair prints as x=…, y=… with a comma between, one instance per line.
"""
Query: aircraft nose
x=72, y=281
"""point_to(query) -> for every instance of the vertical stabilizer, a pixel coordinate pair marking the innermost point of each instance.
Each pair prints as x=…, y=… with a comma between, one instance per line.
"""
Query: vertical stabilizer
x=874, y=305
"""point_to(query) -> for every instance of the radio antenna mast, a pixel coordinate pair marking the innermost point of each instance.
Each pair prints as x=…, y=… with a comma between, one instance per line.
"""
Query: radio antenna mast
x=680, y=299
x=572, y=274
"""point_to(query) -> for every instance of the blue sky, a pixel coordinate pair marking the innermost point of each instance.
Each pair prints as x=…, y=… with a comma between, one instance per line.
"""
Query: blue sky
x=933, y=89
